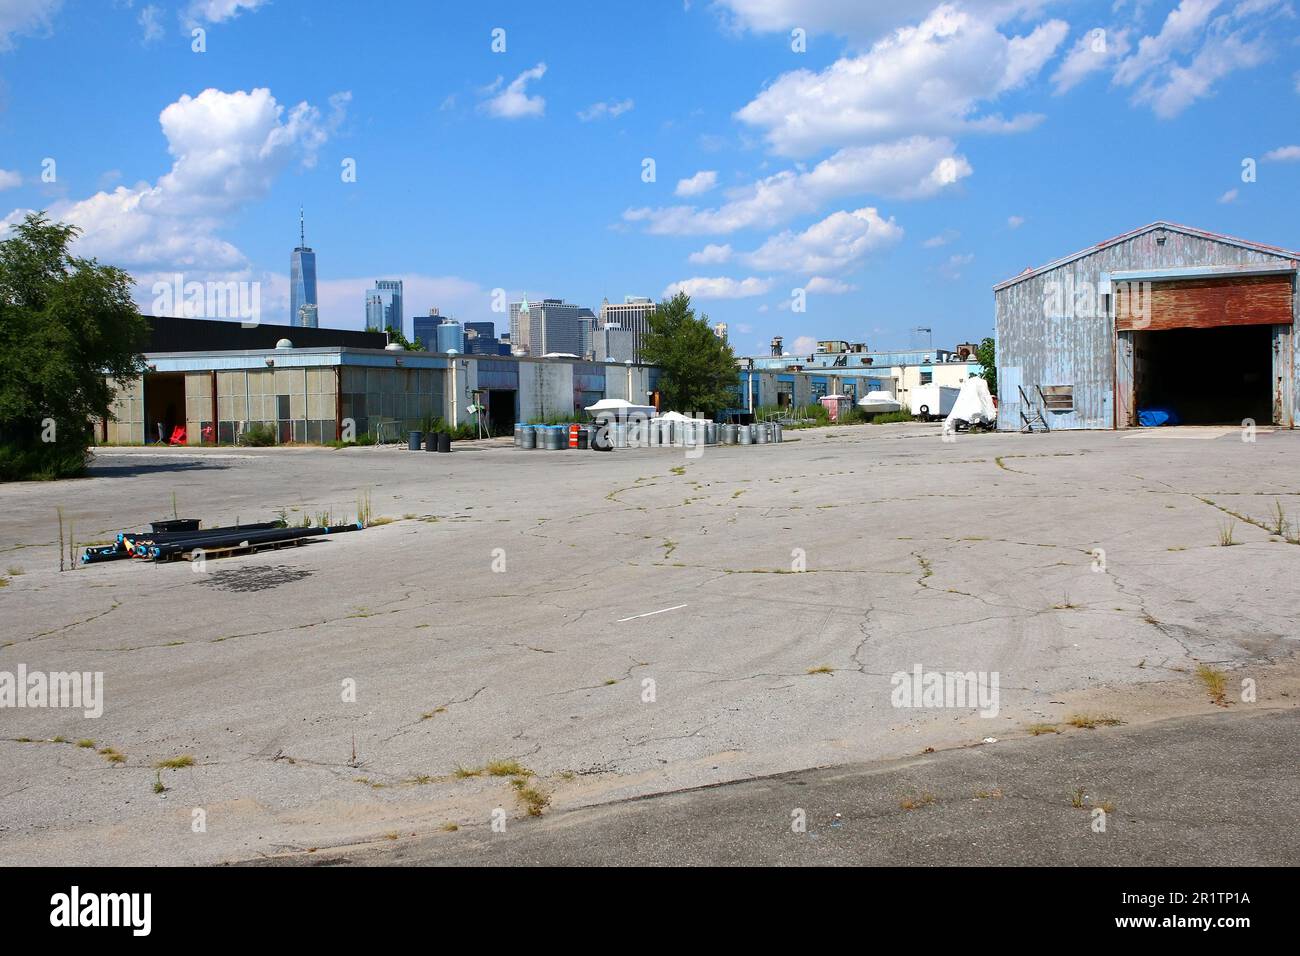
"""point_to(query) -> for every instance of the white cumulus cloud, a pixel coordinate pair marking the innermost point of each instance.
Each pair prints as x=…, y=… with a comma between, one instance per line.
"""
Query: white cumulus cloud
x=719, y=287
x=710, y=255
x=701, y=182
x=227, y=149
x=931, y=78
x=610, y=110
x=915, y=168
x=1283, y=154
x=25, y=17
x=840, y=240
x=513, y=101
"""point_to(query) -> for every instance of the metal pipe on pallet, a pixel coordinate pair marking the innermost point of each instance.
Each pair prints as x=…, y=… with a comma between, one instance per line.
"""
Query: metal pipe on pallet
x=273, y=536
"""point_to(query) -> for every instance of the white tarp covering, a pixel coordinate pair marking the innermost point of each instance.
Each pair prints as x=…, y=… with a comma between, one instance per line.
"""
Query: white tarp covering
x=974, y=405
x=620, y=408
x=679, y=417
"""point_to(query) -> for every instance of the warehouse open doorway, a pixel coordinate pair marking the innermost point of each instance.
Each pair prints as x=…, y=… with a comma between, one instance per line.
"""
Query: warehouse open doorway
x=501, y=406
x=164, y=406
x=1206, y=376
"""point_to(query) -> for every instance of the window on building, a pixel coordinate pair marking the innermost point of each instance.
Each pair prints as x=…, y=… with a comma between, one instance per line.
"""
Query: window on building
x=1058, y=398
x=927, y=377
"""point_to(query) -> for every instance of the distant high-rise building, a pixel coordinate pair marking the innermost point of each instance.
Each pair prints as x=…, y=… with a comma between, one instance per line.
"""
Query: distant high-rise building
x=587, y=325
x=546, y=327
x=720, y=330
x=425, y=330
x=631, y=315
x=308, y=316
x=481, y=338
x=302, y=277
x=384, y=306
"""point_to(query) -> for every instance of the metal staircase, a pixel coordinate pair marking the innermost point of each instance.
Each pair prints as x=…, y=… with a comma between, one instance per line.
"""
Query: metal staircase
x=1031, y=413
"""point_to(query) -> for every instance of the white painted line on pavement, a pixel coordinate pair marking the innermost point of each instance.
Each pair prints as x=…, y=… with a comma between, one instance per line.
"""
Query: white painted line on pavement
x=651, y=613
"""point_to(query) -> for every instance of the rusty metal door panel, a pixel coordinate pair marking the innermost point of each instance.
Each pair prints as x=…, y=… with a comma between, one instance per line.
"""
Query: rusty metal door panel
x=1211, y=303
x=1283, y=376
x=1125, y=401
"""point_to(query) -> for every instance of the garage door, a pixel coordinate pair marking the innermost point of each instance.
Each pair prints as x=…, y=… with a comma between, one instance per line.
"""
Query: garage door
x=1210, y=303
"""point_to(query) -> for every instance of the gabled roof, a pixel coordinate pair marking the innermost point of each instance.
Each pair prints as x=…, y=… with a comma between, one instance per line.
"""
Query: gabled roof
x=1158, y=224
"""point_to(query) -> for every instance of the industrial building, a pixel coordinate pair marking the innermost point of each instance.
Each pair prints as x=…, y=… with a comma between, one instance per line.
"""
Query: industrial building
x=1197, y=325
x=851, y=369
x=217, y=379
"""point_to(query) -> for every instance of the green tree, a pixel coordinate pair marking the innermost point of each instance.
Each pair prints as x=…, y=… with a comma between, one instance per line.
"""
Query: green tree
x=697, y=369
x=988, y=364
x=68, y=327
x=395, y=335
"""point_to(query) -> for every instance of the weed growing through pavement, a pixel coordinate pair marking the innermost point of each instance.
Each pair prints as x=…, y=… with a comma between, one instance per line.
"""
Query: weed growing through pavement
x=1092, y=721
x=1215, y=682
x=915, y=802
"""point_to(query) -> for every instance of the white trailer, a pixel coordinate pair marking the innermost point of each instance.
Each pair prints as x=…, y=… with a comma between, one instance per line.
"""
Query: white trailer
x=932, y=402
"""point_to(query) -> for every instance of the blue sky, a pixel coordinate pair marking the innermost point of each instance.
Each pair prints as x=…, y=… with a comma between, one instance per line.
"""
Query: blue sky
x=907, y=159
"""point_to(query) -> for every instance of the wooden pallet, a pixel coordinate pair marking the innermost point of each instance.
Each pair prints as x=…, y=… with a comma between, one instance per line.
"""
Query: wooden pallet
x=238, y=550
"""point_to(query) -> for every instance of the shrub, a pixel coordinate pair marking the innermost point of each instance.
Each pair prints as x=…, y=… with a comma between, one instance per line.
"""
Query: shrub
x=259, y=435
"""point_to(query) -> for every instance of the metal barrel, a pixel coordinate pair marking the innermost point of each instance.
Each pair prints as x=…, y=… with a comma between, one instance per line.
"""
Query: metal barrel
x=710, y=433
x=519, y=434
x=745, y=435
x=763, y=434
x=527, y=436
x=728, y=434
x=584, y=437
x=776, y=431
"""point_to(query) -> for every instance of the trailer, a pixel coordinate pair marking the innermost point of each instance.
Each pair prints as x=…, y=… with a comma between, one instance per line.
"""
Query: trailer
x=932, y=402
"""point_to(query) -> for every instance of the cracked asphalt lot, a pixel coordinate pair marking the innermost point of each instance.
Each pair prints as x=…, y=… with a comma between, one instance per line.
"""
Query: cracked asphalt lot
x=616, y=628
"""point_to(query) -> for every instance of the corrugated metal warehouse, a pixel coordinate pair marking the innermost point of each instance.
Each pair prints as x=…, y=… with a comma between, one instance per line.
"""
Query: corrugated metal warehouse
x=1164, y=317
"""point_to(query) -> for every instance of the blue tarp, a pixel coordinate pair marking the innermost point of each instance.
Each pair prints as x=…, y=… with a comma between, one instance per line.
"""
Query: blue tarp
x=1154, y=417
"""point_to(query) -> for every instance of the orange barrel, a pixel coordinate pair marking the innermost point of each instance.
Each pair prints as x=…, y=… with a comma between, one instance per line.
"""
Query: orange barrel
x=573, y=436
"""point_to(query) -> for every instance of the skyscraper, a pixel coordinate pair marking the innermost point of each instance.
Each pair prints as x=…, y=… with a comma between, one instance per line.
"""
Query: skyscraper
x=302, y=276
x=384, y=306
x=632, y=315
x=542, y=328
x=424, y=329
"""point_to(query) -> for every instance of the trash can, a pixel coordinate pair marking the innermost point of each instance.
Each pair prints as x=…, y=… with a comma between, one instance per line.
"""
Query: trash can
x=527, y=436
x=444, y=442
x=776, y=431
x=710, y=433
x=519, y=434
x=413, y=441
x=761, y=433
x=745, y=435
x=584, y=437
x=430, y=441
x=728, y=434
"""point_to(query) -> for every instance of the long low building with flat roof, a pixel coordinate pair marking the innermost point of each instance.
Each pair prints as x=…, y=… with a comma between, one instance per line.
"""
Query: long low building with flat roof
x=324, y=393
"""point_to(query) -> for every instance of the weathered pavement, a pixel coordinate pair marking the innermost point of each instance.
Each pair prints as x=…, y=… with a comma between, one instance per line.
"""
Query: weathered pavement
x=1215, y=790
x=502, y=616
